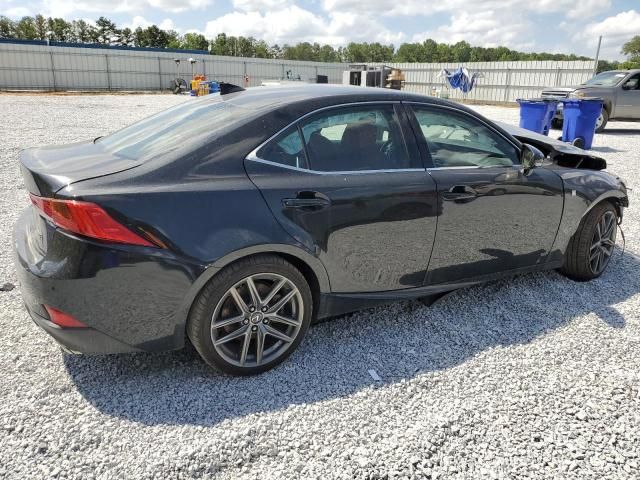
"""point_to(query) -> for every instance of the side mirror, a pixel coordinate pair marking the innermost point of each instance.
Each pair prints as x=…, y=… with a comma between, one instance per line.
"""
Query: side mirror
x=531, y=157
x=626, y=86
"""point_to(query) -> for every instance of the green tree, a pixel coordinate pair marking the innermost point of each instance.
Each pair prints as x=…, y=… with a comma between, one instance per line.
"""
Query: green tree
x=328, y=54
x=82, y=31
x=124, y=37
x=7, y=27
x=106, y=31
x=59, y=28
x=41, y=25
x=261, y=49
x=632, y=50
x=632, y=47
x=194, y=41
x=275, y=51
x=221, y=45
x=26, y=29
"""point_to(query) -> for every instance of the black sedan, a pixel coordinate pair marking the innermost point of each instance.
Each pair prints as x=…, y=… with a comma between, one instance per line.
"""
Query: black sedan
x=235, y=220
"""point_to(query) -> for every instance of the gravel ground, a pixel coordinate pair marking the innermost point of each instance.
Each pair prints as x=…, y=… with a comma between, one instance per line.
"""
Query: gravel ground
x=531, y=377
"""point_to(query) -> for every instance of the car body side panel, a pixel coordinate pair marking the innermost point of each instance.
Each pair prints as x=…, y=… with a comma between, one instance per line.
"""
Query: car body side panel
x=511, y=223
x=376, y=233
x=130, y=294
x=583, y=190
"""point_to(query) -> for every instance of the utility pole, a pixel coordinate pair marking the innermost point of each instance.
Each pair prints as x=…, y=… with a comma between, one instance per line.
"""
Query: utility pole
x=595, y=63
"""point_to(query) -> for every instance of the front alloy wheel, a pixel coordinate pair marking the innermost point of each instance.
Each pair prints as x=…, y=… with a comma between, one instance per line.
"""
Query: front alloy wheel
x=251, y=316
x=603, y=242
x=590, y=250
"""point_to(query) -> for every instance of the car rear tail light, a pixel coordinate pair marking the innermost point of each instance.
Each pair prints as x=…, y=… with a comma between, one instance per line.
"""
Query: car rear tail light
x=62, y=319
x=88, y=219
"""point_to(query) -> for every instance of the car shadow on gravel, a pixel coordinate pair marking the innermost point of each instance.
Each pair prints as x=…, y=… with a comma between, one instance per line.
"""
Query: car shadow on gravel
x=620, y=131
x=399, y=342
x=607, y=150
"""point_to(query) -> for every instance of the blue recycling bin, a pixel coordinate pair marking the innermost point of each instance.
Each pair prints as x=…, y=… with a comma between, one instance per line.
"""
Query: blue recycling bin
x=580, y=118
x=536, y=114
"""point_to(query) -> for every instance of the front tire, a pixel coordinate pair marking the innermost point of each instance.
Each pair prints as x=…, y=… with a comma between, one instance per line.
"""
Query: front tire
x=601, y=123
x=251, y=316
x=591, y=247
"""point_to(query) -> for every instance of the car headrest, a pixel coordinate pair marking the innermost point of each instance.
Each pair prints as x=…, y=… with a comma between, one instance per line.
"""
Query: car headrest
x=359, y=135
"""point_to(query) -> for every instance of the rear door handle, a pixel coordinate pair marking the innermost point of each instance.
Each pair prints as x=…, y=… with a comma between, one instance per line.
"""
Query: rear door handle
x=460, y=192
x=307, y=199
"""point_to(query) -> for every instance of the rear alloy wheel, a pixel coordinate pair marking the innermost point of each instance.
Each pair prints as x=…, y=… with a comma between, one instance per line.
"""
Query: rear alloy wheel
x=251, y=316
x=591, y=248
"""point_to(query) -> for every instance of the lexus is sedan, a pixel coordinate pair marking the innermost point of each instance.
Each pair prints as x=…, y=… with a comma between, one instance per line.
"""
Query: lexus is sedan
x=233, y=221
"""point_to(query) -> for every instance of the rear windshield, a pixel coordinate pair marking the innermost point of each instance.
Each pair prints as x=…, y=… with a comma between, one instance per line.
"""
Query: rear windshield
x=190, y=122
x=607, y=79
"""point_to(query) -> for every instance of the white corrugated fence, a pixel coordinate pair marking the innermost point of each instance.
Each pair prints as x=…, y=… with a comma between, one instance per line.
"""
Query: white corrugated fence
x=42, y=67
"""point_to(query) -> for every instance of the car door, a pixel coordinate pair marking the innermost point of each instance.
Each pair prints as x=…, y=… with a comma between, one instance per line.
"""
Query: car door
x=495, y=217
x=346, y=184
x=628, y=98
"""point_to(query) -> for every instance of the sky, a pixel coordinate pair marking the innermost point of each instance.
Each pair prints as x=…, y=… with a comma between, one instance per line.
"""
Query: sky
x=558, y=26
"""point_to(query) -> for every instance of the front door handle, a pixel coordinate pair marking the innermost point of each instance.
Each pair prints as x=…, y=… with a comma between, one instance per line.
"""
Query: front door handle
x=307, y=199
x=460, y=192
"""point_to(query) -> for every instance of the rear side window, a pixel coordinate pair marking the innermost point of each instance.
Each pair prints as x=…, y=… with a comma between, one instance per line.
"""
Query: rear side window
x=286, y=149
x=457, y=140
x=344, y=139
x=190, y=122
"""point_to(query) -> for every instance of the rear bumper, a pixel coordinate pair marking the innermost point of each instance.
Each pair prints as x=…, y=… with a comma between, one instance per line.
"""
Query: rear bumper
x=131, y=298
x=81, y=340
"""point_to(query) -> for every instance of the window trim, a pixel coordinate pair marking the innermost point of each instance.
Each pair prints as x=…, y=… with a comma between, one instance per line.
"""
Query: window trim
x=253, y=155
x=421, y=138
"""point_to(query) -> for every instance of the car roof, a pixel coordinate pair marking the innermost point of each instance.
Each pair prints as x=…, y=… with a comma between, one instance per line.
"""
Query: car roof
x=283, y=95
x=632, y=70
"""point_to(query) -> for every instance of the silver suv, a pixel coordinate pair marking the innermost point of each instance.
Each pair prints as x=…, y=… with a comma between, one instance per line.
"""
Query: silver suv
x=620, y=90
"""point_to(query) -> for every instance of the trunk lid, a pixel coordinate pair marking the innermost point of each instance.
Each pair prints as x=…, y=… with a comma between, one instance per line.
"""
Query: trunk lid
x=48, y=169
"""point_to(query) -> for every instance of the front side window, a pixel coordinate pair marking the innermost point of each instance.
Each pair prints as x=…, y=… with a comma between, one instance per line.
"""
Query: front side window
x=456, y=140
x=343, y=139
x=633, y=83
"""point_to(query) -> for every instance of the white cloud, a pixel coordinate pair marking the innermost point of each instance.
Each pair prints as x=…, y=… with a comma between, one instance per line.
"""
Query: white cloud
x=487, y=29
x=615, y=31
x=167, y=24
x=260, y=5
x=17, y=12
x=67, y=9
x=294, y=24
x=179, y=6
x=572, y=8
x=138, y=21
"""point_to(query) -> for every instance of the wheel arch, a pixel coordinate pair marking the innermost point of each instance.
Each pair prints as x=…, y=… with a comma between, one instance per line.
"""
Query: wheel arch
x=311, y=268
x=617, y=199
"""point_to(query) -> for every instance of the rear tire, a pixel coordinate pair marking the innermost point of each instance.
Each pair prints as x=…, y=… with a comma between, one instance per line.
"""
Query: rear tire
x=556, y=123
x=592, y=245
x=237, y=324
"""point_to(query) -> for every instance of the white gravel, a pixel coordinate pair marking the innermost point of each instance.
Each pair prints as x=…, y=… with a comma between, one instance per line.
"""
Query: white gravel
x=531, y=377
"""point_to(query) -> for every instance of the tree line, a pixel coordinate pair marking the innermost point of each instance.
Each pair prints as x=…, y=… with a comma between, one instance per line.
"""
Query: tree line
x=106, y=32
